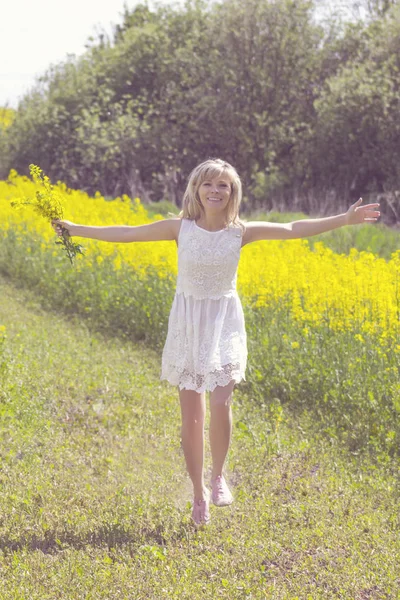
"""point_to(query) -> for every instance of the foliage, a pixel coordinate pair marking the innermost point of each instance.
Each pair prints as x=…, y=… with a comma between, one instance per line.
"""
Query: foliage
x=358, y=126
x=47, y=203
x=303, y=111
x=3, y=363
x=7, y=116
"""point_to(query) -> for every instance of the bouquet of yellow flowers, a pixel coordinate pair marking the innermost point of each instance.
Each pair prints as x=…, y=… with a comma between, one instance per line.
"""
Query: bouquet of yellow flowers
x=47, y=204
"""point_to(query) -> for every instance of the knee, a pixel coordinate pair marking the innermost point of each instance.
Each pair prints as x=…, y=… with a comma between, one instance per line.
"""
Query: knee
x=221, y=406
x=193, y=423
x=221, y=401
x=222, y=396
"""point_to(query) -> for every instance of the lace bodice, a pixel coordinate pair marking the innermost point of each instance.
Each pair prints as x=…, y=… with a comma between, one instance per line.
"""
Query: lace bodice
x=207, y=260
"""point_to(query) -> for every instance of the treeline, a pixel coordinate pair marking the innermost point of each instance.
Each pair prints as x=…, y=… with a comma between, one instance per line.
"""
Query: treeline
x=308, y=113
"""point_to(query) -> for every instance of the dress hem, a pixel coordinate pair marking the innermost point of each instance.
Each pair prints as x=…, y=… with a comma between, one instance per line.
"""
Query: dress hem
x=237, y=380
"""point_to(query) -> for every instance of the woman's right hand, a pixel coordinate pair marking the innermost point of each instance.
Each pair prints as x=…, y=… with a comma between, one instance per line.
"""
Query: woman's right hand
x=68, y=225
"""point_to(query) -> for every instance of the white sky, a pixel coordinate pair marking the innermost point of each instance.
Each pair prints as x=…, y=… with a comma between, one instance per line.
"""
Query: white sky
x=37, y=33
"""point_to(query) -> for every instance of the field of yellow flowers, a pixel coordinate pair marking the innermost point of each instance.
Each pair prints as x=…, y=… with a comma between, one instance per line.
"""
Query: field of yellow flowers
x=323, y=328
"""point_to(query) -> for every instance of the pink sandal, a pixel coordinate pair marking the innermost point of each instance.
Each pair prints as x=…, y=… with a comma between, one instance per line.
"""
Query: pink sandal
x=221, y=496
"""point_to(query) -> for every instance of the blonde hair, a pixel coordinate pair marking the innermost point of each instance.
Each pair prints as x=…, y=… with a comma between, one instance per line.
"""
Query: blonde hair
x=209, y=169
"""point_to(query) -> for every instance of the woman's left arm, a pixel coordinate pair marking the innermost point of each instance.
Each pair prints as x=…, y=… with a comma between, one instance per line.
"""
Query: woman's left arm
x=263, y=230
x=355, y=215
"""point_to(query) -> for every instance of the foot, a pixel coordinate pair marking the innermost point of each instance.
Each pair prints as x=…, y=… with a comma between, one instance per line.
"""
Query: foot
x=221, y=496
x=201, y=510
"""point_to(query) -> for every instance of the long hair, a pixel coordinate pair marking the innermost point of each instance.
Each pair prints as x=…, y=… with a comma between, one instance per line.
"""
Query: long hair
x=210, y=169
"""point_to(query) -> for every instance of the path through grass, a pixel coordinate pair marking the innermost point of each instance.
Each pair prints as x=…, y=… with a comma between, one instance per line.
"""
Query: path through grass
x=95, y=499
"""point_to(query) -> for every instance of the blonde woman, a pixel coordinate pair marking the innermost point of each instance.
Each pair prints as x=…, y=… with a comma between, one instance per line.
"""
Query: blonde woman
x=206, y=345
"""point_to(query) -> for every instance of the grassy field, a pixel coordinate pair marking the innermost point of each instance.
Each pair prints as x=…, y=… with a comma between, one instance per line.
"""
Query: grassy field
x=95, y=500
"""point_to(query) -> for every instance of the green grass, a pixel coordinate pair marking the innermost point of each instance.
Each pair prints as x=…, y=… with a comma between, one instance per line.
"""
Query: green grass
x=95, y=497
x=163, y=207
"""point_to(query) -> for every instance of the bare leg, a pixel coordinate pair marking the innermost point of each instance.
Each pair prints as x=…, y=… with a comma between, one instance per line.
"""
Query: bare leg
x=220, y=426
x=193, y=410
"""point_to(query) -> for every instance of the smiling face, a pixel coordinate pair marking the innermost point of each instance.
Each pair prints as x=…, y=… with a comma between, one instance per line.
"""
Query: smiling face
x=214, y=193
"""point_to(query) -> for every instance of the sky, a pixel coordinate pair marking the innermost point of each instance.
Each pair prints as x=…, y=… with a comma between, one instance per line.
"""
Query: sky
x=37, y=33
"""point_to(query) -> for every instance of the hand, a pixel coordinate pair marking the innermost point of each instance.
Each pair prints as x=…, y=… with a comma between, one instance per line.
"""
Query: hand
x=59, y=225
x=359, y=214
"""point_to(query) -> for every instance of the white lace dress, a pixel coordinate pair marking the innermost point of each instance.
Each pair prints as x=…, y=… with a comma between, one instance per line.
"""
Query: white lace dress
x=206, y=344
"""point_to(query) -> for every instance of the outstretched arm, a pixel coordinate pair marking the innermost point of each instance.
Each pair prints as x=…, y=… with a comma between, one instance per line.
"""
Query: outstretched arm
x=256, y=230
x=355, y=215
x=151, y=232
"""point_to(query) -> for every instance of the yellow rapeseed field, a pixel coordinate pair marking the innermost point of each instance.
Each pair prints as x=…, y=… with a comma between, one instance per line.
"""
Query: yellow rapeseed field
x=359, y=292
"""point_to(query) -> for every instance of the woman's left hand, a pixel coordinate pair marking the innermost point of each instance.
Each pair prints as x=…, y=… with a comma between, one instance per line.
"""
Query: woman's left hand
x=360, y=214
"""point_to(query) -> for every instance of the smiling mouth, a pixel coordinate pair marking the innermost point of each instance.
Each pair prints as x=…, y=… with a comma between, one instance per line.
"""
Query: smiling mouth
x=212, y=199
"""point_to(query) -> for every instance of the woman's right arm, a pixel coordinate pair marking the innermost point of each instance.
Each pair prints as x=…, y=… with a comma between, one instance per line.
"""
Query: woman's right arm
x=159, y=230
